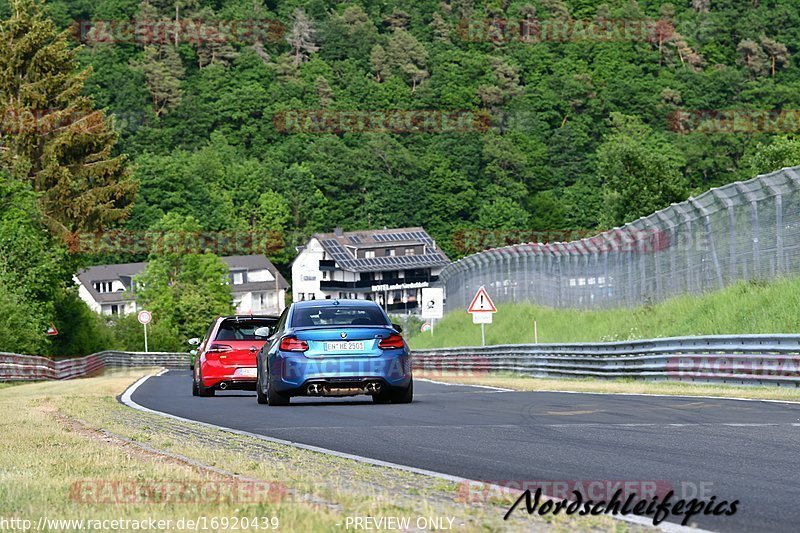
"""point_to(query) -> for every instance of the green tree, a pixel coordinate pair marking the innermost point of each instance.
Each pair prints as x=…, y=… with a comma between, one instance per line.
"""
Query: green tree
x=640, y=172
x=163, y=70
x=766, y=157
x=56, y=140
x=184, y=290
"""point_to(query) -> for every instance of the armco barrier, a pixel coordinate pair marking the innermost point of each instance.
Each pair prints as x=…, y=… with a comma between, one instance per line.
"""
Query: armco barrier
x=732, y=359
x=16, y=367
x=736, y=359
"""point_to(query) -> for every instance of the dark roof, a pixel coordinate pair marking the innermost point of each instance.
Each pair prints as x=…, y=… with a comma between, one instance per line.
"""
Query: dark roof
x=93, y=274
x=341, y=247
x=255, y=262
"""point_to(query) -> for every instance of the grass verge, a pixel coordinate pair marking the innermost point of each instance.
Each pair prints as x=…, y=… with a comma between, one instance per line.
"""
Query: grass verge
x=745, y=307
x=61, y=435
x=622, y=386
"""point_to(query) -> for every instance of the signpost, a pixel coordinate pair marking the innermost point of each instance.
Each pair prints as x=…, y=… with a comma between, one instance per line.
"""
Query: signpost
x=144, y=318
x=482, y=308
x=432, y=304
x=51, y=331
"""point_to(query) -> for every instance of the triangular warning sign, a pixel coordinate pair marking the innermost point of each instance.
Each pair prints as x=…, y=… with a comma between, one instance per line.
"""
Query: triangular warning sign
x=481, y=303
x=51, y=330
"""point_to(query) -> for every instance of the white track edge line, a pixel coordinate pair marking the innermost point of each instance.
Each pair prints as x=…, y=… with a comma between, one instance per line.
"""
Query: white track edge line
x=450, y=384
x=793, y=402
x=127, y=399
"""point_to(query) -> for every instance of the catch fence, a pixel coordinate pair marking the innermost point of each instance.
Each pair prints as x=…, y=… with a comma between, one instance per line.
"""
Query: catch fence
x=743, y=231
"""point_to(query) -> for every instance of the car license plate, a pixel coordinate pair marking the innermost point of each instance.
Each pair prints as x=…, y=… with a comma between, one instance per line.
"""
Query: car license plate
x=344, y=346
x=246, y=372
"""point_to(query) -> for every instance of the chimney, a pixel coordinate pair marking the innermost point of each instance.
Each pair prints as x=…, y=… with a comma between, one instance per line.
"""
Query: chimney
x=338, y=231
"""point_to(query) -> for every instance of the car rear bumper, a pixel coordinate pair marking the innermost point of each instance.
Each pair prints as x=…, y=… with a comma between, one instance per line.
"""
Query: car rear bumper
x=223, y=377
x=294, y=374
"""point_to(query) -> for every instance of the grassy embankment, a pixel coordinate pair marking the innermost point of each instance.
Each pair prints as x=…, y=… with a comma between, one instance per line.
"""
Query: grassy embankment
x=772, y=307
x=741, y=308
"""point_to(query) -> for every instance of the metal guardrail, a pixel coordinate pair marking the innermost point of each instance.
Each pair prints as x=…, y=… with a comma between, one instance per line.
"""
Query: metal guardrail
x=731, y=359
x=17, y=367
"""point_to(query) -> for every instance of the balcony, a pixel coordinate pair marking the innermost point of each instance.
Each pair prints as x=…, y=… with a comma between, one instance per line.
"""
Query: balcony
x=327, y=264
x=365, y=285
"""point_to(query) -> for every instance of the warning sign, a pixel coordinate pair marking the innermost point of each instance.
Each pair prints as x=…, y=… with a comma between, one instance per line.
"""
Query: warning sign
x=481, y=303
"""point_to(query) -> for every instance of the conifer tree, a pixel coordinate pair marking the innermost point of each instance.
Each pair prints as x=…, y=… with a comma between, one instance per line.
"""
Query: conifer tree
x=51, y=136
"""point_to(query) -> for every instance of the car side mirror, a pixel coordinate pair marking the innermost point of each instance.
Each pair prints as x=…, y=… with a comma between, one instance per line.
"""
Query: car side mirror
x=398, y=328
x=194, y=341
x=265, y=332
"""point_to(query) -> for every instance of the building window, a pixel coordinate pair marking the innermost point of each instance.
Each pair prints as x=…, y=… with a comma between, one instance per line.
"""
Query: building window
x=238, y=278
x=260, y=300
x=312, y=296
x=102, y=286
x=410, y=251
x=301, y=296
x=324, y=274
x=390, y=251
x=369, y=253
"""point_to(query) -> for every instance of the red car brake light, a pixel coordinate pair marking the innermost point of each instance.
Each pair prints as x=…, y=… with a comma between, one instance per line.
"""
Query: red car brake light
x=391, y=342
x=219, y=348
x=293, y=344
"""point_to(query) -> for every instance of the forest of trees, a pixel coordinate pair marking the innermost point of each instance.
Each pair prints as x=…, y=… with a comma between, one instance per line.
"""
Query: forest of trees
x=578, y=134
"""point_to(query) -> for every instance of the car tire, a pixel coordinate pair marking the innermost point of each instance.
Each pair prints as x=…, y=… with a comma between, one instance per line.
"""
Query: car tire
x=203, y=390
x=275, y=398
x=404, y=396
x=194, y=387
x=261, y=398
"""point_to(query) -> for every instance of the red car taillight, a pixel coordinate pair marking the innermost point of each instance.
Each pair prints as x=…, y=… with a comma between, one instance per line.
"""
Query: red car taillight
x=293, y=344
x=391, y=342
x=219, y=348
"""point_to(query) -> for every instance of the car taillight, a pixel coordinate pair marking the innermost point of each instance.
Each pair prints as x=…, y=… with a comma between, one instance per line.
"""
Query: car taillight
x=391, y=342
x=219, y=348
x=293, y=344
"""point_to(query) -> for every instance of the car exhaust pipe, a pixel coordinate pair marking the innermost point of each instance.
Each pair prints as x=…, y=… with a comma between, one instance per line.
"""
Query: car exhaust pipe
x=373, y=388
x=314, y=389
x=223, y=386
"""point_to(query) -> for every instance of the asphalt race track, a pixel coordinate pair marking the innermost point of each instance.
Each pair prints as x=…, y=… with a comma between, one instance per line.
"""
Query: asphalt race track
x=743, y=450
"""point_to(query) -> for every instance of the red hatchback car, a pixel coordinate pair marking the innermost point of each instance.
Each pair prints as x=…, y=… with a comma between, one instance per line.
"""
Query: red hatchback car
x=226, y=357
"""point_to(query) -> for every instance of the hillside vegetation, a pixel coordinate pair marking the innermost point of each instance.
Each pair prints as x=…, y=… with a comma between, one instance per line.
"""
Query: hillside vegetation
x=116, y=126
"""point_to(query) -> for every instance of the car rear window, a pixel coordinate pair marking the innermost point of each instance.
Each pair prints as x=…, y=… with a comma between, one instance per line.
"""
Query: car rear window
x=243, y=330
x=338, y=316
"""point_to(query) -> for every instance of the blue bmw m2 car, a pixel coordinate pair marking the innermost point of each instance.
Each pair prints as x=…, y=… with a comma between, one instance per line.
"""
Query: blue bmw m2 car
x=334, y=348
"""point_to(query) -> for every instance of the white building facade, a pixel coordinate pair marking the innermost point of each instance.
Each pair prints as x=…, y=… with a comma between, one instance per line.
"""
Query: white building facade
x=256, y=286
x=388, y=266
